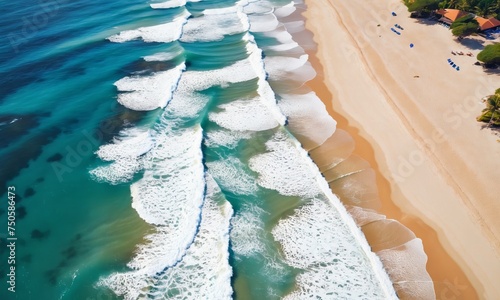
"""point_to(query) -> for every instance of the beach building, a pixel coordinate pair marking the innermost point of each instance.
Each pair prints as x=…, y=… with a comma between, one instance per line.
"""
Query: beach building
x=449, y=16
x=486, y=24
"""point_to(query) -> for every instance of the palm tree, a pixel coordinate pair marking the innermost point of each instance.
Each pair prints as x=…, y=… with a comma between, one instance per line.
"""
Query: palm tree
x=463, y=5
x=491, y=114
x=485, y=9
x=451, y=3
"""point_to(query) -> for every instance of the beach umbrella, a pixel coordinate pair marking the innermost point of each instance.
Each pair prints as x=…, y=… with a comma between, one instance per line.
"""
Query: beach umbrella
x=411, y=45
x=393, y=13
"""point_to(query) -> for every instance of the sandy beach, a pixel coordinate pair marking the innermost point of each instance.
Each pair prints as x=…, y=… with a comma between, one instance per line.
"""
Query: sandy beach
x=413, y=118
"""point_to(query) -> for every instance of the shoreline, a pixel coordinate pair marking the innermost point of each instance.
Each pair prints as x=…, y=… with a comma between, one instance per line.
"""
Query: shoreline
x=448, y=265
x=365, y=150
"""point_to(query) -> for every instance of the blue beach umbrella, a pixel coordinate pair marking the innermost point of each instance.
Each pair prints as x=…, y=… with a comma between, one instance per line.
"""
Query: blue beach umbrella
x=411, y=45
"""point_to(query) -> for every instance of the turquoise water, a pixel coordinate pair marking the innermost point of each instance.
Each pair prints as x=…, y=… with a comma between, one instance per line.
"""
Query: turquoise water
x=150, y=158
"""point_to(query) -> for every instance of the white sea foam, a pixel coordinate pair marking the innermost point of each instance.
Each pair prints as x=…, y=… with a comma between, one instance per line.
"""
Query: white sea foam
x=170, y=195
x=285, y=46
x=258, y=7
x=187, y=102
x=120, y=171
x=285, y=11
x=202, y=273
x=145, y=93
x=243, y=70
x=231, y=175
x=283, y=168
x=168, y=4
x=307, y=117
x=289, y=68
x=125, y=152
x=244, y=115
x=317, y=240
x=287, y=169
x=173, y=178
x=214, y=24
x=165, y=56
x=226, y=138
x=164, y=33
x=295, y=26
x=263, y=23
x=406, y=267
x=130, y=143
x=247, y=230
x=264, y=90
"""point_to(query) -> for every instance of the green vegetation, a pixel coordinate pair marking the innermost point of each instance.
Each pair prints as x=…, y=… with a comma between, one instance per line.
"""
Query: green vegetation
x=484, y=8
x=464, y=26
x=421, y=5
x=491, y=114
x=490, y=54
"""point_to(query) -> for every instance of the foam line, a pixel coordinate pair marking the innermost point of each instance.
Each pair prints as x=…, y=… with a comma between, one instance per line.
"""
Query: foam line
x=263, y=23
x=247, y=230
x=163, y=33
x=226, y=138
x=168, y=4
x=286, y=168
x=230, y=174
x=244, y=115
x=308, y=118
x=165, y=56
x=143, y=93
x=213, y=25
x=264, y=89
x=170, y=195
x=317, y=240
x=258, y=7
x=282, y=168
x=289, y=68
x=204, y=272
x=124, y=153
x=286, y=10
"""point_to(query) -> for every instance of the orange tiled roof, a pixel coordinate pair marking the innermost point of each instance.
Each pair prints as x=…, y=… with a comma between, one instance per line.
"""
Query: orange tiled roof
x=454, y=14
x=485, y=24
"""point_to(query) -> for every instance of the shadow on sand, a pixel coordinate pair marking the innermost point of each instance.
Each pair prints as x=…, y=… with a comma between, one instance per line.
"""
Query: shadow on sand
x=473, y=43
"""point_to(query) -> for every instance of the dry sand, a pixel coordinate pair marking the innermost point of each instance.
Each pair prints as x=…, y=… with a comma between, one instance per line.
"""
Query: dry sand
x=413, y=116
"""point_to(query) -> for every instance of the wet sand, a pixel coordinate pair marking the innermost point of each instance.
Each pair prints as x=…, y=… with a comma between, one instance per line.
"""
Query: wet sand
x=429, y=188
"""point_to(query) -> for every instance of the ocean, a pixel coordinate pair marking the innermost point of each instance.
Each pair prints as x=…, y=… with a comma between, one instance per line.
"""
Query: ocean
x=159, y=150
